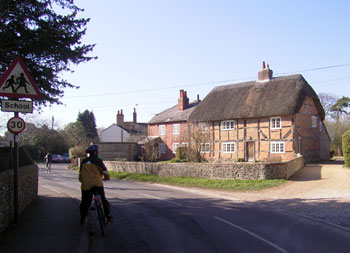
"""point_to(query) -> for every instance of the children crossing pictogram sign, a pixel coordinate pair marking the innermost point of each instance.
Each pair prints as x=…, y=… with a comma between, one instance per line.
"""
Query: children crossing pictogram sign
x=18, y=83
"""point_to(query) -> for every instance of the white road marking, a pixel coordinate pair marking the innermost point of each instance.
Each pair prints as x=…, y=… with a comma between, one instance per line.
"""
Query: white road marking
x=154, y=197
x=252, y=234
x=52, y=189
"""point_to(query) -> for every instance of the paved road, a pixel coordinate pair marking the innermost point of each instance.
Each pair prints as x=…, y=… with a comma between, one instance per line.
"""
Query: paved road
x=154, y=218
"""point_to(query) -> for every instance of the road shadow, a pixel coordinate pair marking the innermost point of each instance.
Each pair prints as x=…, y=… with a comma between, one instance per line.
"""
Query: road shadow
x=133, y=215
x=48, y=224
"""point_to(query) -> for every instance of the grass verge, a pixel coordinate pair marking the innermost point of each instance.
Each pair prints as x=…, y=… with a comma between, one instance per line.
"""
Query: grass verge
x=217, y=184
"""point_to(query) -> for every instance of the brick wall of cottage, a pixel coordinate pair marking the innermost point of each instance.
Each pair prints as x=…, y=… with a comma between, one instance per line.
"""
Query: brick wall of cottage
x=312, y=142
x=169, y=138
x=256, y=131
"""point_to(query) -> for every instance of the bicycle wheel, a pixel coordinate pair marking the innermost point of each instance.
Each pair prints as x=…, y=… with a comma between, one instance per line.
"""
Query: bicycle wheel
x=101, y=218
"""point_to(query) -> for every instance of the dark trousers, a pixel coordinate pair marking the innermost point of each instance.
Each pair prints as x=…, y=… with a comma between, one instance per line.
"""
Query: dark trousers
x=86, y=199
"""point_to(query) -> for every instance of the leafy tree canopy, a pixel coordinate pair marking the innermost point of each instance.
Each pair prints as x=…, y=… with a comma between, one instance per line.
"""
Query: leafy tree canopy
x=48, y=42
x=341, y=105
x=88, y=120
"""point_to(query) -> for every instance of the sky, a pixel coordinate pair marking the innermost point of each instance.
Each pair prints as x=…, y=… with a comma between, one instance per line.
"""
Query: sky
x=148, y=50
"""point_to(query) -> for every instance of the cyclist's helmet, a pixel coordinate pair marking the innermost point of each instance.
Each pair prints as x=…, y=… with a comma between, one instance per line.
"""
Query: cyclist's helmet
x=92, y=148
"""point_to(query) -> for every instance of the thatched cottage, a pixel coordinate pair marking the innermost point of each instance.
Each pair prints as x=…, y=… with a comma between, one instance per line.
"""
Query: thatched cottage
x=271, y=119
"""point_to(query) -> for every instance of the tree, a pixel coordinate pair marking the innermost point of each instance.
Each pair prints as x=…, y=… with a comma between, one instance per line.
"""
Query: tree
x=151, y=149
x=198, y=136
x=88, y=121
x=339, y=108
x=327, y=101
x=346, y=147
x=74, y=134
x=38, y=140
x=47, y=42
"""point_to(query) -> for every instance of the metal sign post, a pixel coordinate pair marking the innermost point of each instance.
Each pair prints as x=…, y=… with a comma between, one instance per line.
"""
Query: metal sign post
x=15, y=170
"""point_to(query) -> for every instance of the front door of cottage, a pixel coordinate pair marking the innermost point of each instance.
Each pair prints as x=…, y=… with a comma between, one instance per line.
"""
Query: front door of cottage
x=250, y=151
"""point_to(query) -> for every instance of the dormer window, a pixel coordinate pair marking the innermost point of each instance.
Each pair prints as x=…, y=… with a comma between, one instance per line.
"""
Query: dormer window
x=275, y=123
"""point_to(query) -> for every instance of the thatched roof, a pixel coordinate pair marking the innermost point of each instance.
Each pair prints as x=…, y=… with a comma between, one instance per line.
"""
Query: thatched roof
x=279, y=96
x=173, y=114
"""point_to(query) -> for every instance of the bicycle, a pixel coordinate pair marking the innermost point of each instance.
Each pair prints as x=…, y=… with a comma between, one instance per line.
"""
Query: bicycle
x=97, y=205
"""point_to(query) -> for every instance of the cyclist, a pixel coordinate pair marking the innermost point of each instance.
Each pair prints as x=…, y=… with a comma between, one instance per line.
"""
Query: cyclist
x=92, y=171
x=48, y=161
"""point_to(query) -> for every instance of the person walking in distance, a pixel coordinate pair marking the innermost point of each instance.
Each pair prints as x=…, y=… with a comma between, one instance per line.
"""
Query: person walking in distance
x=92, y=172
x=48, y=161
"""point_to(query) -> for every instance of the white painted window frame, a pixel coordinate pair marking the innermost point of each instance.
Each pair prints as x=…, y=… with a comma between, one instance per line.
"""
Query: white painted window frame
x=275, y=147
x=231, y=145
x=276, y=123
x=206, y=148
x=175, y=146
x=314, y=121
x=228, y=125
x=161, y=129
x=176, y=129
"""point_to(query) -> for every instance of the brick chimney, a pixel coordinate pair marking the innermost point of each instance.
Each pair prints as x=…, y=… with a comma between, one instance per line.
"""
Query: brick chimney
x=134, y=116
x=183, y=100
x=265, y=74
x=120, y=118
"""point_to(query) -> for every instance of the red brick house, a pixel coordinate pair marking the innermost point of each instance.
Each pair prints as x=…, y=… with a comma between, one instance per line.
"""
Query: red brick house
x=270, y=119
x=171, y=124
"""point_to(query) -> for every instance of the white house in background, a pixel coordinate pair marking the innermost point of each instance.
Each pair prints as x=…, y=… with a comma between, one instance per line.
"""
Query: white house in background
x=124, y=131
x=114, y=133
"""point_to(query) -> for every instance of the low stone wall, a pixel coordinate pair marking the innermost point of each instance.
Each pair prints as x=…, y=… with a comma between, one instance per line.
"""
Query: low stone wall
x=27, y=192
x=212, y=170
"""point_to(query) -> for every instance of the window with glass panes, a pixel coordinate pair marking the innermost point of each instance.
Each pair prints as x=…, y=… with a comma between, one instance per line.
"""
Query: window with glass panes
x=275, y=123
x=228, y=147
x=277, y=147
x=161, y=148
x=176, y=128
x=161, y=130
x=175, y=146
x=205, y=147
x=228, y=125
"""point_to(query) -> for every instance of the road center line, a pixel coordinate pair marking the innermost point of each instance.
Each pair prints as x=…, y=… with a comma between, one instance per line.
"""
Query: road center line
x=252, y=234
x=154, y=197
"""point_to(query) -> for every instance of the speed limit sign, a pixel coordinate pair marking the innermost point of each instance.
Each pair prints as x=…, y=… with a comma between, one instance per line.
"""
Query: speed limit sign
x=16, y=125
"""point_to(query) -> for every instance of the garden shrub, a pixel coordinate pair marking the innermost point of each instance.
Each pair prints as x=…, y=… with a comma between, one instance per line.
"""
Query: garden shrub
x=182, y=153
x=346, y=147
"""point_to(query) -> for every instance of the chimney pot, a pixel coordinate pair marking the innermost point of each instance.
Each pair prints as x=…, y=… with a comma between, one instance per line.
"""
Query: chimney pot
x=134, y=116
x=183, y=101
x=265, y=74
x=120, y=118
x=263, y=65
